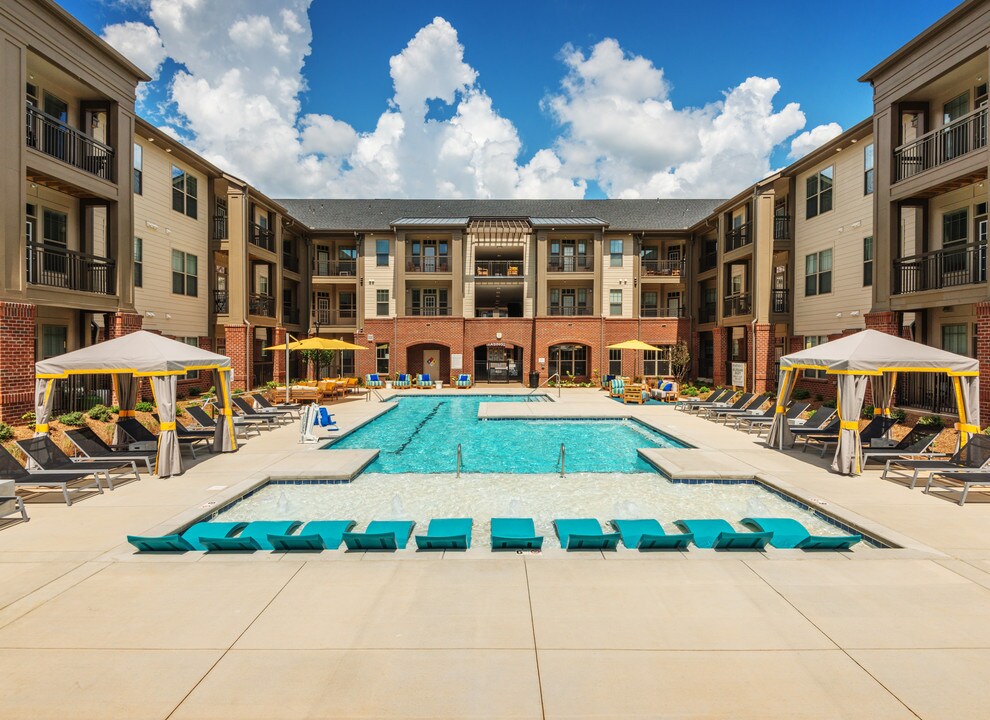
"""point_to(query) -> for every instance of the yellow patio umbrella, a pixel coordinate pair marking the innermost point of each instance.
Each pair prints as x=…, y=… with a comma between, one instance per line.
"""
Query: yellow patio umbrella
x=633, y=345
x=313, y=343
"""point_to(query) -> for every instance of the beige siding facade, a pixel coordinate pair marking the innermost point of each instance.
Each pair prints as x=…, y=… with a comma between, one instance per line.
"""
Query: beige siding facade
x=618, y=278
x=378, y=278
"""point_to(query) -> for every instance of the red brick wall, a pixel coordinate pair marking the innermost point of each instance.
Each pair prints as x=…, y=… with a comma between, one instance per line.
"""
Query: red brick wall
x=17, y=342
x=721, y=355
x=120, y=324
x=763, y=375
x=238, y=349
x=983, y=355
x=278, y=356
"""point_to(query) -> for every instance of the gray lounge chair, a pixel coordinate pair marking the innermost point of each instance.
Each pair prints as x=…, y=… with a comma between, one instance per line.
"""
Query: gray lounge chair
x=204, y=421
x=974, y=455
x=741, y=402
x=875, y=429
x=914, y=445
x=43, y=450
x=823, y=422
x=716, y=398
x=752, y=410
x=247, y=410
x=140, y=434
x=263, y=404
x=764, y=423
x=91, y=445
x=10, y=469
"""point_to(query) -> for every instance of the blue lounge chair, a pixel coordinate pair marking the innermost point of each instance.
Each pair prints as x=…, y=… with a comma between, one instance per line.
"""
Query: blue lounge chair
x=463, y=381
x=401, y=382
x=720, y=535
x=423, y=382
x=316, y=535
x=584, y=534
x=617, y=387
x=371, y=381
x=188, y=540
x=446, y=534
x=253, y=537
x=648, y=535
x=788, y=533
x=381, y=535
x=515, y=534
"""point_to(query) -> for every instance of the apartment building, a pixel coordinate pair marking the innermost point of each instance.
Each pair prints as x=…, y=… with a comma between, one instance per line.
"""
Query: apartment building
x=66, y=128
x=499, y=288
x=930, y=221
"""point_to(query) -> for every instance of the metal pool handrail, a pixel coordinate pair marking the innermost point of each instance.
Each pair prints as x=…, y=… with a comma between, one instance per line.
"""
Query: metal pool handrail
x=562, y=459
x=458, y=459
x=547, y=382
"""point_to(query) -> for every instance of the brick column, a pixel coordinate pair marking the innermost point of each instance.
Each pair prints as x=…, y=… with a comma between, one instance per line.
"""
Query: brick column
x=239, y=351
x=884, y=321
x=983, y=355
x=720, y=356
x=694, y=347
x=278, y=357
x=17, y=327
x=764, y=378
x=119, y=324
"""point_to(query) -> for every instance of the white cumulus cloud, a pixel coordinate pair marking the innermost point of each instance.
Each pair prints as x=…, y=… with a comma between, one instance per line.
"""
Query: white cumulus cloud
x=812, y=139
x=139, y=43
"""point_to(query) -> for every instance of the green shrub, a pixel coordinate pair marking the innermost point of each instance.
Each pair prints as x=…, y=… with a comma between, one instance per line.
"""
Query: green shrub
x=145, y=406
x=29, y=417
x=75, y=419
x=6, y=432
x=115, y=409
x=932, y=422
x=100, y=412
x=194, y=391
x=238, y=392
x=704, y=389
x=819, y=397
x=829, y=404
x=690, y=392
x=801, y=394
x=868, y=411
x=898, y=415
x=271, y=384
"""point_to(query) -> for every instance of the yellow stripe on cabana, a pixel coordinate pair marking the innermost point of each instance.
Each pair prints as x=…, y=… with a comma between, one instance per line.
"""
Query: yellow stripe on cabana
x=849, y=424
x=165, y=426
x=42, y=428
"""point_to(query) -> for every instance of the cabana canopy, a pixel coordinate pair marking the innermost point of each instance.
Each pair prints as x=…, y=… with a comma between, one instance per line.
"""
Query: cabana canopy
x=129, y=358
x=879, y=357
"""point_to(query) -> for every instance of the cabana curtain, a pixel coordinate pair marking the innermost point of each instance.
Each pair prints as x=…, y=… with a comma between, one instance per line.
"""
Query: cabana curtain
x=780, y=430
x=127, y=387
x=168, y=461
x=223, y=435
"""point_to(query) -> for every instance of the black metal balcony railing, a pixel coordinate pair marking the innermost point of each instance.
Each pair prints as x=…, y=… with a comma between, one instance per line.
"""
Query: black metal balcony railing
x=780, y=301
x=941, y=145
x=708, y=314
x=708, y=260
x=782, y=227
x=290, y=315
x=263, y=305
x=568, y=310
x=262, y=237
x=667, y=312
x=570, y=263
x=428, y=263
x=424, y=310
x=663, y=268
x=219, y=227
x=221, y=301
x=949, y=267
x=499, y=268
x=57, y=267
x=738, y=304
x=738, y=237
x=290, y=263
x=53, y=137
x=78, y=393
x=334, y=268
x=931, y=392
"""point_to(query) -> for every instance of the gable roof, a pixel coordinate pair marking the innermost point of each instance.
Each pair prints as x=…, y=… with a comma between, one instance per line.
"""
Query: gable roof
x=367, y=215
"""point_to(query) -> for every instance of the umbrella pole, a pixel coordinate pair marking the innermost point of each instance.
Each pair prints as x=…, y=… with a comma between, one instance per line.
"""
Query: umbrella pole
x=287, y=336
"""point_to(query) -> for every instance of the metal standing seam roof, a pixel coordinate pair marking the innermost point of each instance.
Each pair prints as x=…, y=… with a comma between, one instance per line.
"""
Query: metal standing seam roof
x=567, y=221
x=436, y=221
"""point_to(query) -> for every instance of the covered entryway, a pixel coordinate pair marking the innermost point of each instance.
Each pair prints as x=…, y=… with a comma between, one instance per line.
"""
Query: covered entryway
x=429, y=359
x=498, y=362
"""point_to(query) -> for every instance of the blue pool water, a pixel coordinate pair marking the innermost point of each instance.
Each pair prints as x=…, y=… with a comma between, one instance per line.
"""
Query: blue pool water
x=422, y=433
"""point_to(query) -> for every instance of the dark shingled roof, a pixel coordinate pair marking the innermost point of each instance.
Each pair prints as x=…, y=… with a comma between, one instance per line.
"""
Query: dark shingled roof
x=365, y=215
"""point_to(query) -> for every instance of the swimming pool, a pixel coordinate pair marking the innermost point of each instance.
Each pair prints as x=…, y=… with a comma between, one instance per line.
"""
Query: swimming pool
x=422, y=433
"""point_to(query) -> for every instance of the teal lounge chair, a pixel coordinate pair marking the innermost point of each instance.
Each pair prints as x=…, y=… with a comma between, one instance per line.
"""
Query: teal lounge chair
x=515, y=534
x=401, y=381
x=253, y=537
x=788, y=533
x=372, y=381
x=446, y=534
x=423, y=382
x=188, y=540
x=720, y=535
x=463, y=381
x=316, y=535
x=381, y=535
x=584, y=534
x=648, y=535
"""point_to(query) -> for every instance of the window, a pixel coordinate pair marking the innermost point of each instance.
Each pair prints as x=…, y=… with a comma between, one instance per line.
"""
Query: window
x=185, y=274
x=569, y=360
x=381, y=254
x=675, y=303
x=568, y=301
x=30, y=223
x=868, y=169
x=818, y=273
x=138, y=167
x=138, y=262
x=615, y=253
x=614, y=302
x=381, y=359
x=656, y=363
x=184, y=192
x=954, y=226
x=54, y=340
x=867, y=261
x=819, y=193
x=954, y=339
x=192, y=374
x=614, y=362
x=955, y=108
x=811, y=341
x=650, y=304
x=347, y=305
x=381, y=301
x=54, y=234
x=346, y=362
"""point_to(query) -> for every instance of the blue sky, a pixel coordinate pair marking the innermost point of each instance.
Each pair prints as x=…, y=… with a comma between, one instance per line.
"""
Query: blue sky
x=520, y=54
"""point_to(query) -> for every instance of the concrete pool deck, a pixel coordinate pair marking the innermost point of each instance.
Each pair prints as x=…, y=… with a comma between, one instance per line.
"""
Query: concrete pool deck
x=89, y=629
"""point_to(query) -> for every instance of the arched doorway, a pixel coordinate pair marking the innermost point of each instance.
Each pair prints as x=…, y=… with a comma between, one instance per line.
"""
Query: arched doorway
x=498, y=362
x=430, y=359
x=569, y=359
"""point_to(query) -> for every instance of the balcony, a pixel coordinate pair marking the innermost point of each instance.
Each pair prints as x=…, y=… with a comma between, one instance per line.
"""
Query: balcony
x=334, y=268
x=290, y=315
x=53, y=137
x=221, y=302
x=53, y=266
x=263, y=305
x=290, y=263
x=708, y=314
x=738, y=237
x=663, y=268
x=958, y=138
x=659, y=312
x=219, y=227
x=428, y=263
x=738, y=304
x=570, y=263
x=949, y=267
x=499, y=268
x=325, y=317
x=708, y=260
x=569, y=310
x=782, y=227
x=429, y=310
x=780, y=301
x=262, y=237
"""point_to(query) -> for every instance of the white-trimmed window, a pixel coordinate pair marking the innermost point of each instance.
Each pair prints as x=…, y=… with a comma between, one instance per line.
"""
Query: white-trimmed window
x=614, y=302
x=811, y=341
x=867, y=261
x=381, y=359
x=138, y=169
x=381, y=303
x=614, y=362
x=818, y=192
x=381, y=253
x=615, y=253
x=868, y=169
x=193, y=341
x=818, y=273
x=185, y=192
x=656, y=363
x=185, y=273
x=138, y=262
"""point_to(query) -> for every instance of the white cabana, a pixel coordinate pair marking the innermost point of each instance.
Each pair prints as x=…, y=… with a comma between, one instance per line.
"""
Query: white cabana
x=128, y=359
x=879, y=357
